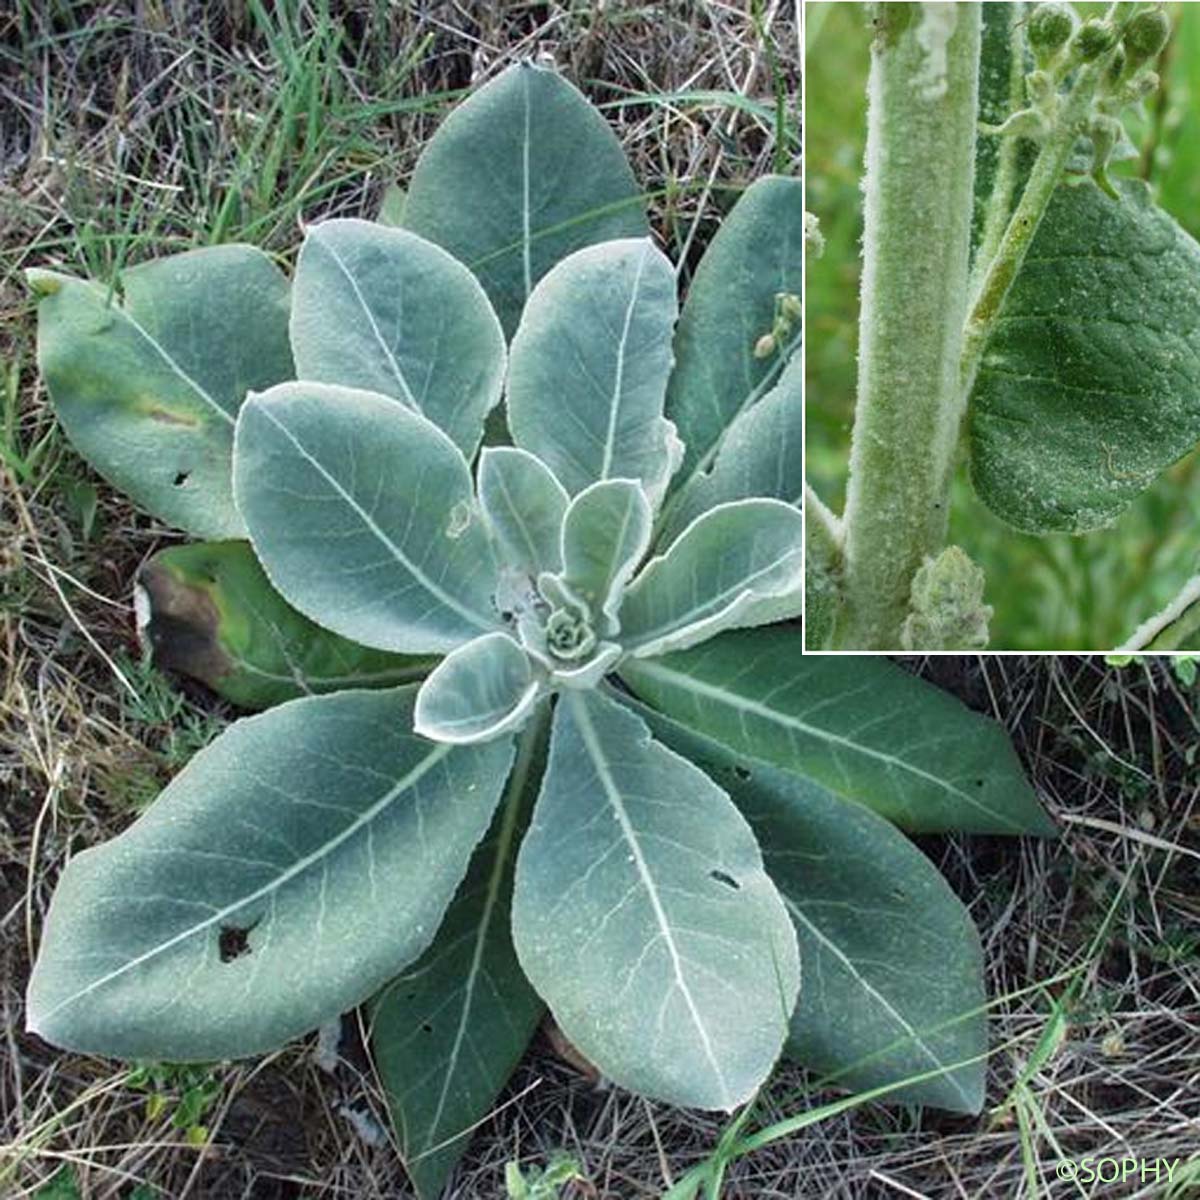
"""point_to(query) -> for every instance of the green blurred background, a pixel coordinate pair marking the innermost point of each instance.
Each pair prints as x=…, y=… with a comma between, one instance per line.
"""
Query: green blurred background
x=1049, y=593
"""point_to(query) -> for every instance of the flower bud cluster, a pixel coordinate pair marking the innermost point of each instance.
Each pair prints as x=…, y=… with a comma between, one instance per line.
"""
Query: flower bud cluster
x=1061, y=44
x=788, y=310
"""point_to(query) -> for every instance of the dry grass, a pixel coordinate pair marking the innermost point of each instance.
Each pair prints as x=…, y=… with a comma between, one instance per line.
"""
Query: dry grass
x=127, y=132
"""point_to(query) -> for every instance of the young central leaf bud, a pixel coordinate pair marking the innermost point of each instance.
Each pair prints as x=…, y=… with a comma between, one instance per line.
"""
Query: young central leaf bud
x=1050, y=25
x=1095, y=37
x=568, y=635
x=1146, y=35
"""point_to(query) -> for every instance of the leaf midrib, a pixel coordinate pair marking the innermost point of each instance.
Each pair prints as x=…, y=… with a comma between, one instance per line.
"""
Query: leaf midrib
x=531, y=547
x=874, y=994
x=470, y=615
x=409, y=398
x=516, y=785
x=614, y=406
x=744, y=704
x=713, y=608
x=578, y=708
x=161, y=350
x=432, y=758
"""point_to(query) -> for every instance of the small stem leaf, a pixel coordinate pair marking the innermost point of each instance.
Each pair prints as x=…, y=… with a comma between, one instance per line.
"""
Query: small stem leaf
x=446, y=1034
x=733, y=566
x=147, y=379
x=210, y=611
x=761, y=454
x=861, y=727
x=269, y=888
x=386, y=311
x=589, y=368
x=393, y=558
x=892, y=963
x=518, y=176
x=643, y=916
x=605, y=533
x=524, y=506
x=1090, y=383
x=479, y=691
x=755, y=257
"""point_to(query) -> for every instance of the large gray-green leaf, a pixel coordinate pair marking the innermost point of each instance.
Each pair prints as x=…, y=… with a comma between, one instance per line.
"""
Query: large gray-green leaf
x=604, y=535
x=730, y=567
x=762, y=454
x=524, y=505
x=860, y=726
x=590, y=364
x=210, y=612
x=386, y=311
x=892, y=964
x=478, y=692
x=643, y=916
x=1090, y=384
x=289, y=871
x=519, y=176
x=364, y=517
x=447, y=1033
x=755, y=257
x=147, y=379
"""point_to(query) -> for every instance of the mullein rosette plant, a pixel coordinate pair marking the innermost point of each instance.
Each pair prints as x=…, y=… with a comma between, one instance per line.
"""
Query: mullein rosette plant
x=538, y=731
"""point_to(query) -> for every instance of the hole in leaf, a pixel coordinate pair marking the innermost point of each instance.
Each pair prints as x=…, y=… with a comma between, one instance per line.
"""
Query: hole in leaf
x=742, y=773
x=725, y=878
x=426, y=1027
x=181, y=477
x=233, y=942
x=979, y=783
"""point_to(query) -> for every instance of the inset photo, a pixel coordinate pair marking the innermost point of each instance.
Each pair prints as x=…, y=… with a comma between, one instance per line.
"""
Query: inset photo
x=1002, y=327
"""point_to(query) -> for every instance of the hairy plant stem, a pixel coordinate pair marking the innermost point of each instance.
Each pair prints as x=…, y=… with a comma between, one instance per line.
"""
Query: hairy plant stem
x=923, y=94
